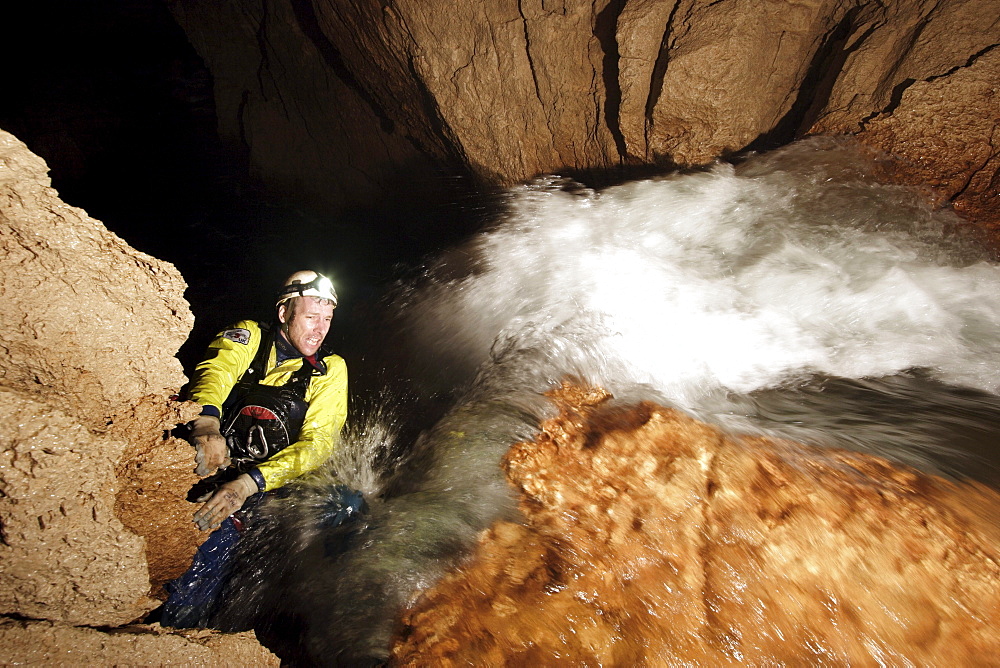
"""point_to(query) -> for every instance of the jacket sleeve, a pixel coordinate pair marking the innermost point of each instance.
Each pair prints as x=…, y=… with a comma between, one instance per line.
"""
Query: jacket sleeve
x=228, y=356
x=320, y=434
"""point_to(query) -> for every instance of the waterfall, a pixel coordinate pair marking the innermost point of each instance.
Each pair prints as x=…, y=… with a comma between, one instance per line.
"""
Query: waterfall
x=792, y=294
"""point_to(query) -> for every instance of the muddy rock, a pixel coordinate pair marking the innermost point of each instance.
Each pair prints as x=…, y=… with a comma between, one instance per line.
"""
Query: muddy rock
x=52, y=644
x=92, y=509
x=653, y=539
x=65, y=555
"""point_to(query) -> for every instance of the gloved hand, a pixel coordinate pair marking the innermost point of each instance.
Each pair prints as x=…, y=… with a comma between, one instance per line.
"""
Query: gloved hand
x=229, y=498
x=211, y=451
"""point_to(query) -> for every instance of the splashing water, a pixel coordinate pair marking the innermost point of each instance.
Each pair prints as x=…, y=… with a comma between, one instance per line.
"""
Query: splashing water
x=735, y=278
x=790, y=295
x=738, y=293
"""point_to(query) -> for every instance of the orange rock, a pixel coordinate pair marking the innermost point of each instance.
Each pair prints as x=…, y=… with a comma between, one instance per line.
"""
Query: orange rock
x=652, y=539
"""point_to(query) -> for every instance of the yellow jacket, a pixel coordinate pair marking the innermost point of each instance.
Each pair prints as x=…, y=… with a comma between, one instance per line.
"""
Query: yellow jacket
x=231, y=353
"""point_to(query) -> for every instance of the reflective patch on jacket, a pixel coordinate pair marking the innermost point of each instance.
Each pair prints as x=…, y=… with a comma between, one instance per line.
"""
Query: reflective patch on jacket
x=237, y=335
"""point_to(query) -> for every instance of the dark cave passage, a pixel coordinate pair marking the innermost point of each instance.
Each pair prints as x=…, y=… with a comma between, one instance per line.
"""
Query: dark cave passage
x=120, y=106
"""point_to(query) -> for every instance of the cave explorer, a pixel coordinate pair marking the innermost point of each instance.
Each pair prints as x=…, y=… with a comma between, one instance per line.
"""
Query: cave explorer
x=273, y=406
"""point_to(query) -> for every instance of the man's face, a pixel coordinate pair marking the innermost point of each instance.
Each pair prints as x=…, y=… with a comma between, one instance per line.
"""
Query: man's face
x=308, y=322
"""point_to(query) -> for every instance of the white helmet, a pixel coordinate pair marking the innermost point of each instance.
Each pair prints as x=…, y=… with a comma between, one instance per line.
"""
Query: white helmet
x=307, y=284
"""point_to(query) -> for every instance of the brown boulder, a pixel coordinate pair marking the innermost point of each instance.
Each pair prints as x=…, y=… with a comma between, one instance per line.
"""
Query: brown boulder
x=652, y=539
x=65, y=555
x=90, y=324
x=90, y=328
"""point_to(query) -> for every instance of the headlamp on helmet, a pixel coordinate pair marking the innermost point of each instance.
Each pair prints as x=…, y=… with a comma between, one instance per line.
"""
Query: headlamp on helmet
x=307, y=284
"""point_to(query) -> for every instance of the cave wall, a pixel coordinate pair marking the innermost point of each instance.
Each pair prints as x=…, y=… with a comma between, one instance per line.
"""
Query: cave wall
x=92, y=511
x=90, y=327
x=350, y=99
x=949, y=148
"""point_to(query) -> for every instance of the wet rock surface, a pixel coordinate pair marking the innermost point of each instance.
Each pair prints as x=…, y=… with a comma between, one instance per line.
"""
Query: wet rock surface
x=941, y=145
x=65, y=555
x=650, y=538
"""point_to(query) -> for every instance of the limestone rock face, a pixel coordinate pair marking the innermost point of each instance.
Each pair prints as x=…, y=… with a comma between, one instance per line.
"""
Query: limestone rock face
x=90, y=324
x=65, y=554
x=653, y=539
x=154, y=476
x=89, y=331
x=349, y=98
x=942, y=145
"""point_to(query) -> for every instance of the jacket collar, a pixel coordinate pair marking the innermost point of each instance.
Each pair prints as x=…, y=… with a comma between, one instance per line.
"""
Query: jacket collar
x=284, y=350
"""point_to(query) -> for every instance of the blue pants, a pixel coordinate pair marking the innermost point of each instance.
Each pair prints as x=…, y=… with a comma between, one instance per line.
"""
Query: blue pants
x=193, y=595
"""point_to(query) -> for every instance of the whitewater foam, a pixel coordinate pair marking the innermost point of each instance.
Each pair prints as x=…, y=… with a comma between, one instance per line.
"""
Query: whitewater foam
x=736, y=278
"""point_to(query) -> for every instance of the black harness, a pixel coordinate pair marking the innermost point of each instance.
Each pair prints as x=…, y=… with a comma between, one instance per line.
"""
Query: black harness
x=262, y=420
